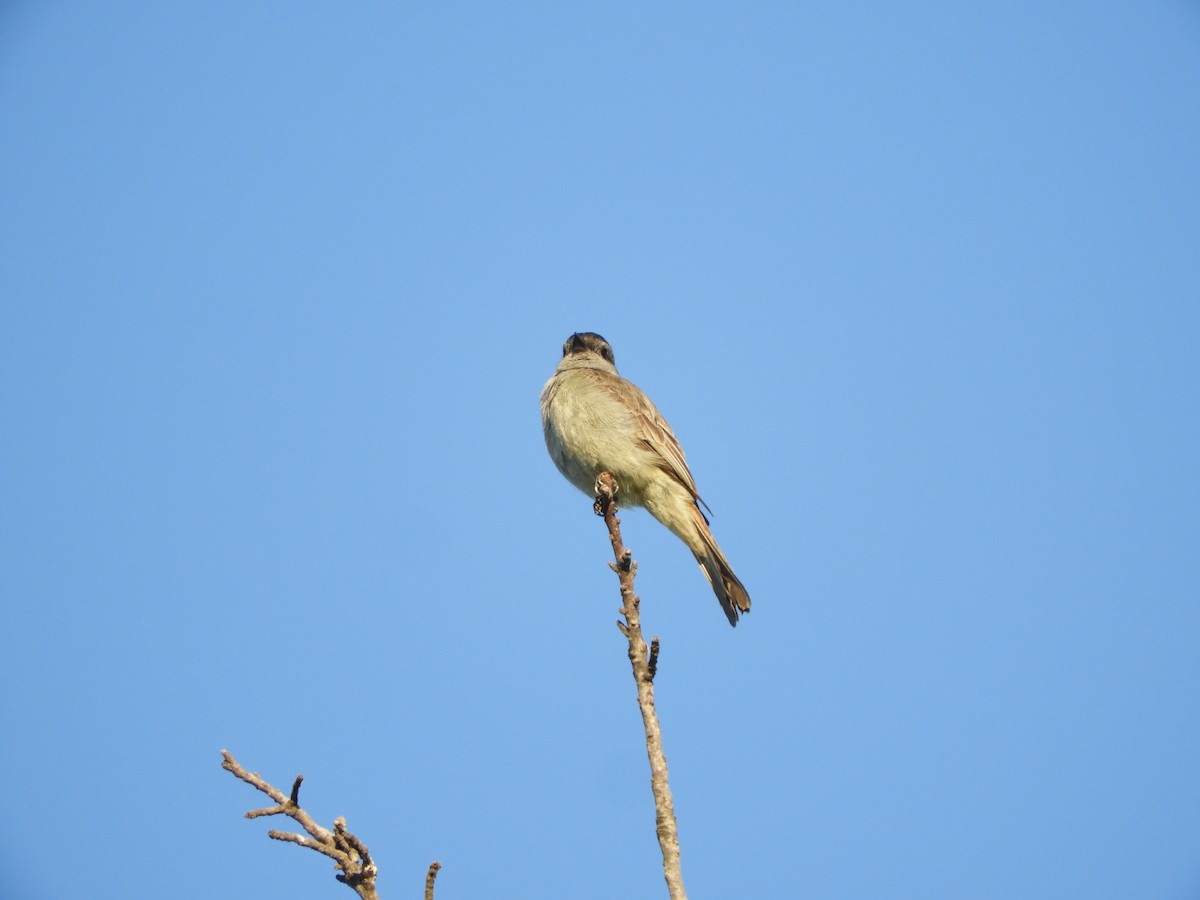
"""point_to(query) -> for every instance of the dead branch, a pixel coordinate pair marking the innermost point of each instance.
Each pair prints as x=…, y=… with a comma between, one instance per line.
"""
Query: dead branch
x=434, y=867
x=644, y=661
x=350, y=855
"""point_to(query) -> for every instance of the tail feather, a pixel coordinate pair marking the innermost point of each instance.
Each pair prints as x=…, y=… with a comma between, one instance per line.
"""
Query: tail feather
x=731, y=593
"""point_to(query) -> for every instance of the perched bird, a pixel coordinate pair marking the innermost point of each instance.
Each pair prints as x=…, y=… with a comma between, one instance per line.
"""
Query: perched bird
x=595, y=421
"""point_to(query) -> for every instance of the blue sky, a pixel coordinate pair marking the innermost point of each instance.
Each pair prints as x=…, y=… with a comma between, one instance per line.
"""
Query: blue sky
x=918, y=288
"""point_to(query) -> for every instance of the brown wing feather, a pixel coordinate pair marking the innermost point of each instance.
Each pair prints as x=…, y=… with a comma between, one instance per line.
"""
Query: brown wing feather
x=658, y=437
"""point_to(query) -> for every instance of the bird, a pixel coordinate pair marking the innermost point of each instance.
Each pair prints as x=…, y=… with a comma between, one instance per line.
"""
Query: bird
x=596, y=421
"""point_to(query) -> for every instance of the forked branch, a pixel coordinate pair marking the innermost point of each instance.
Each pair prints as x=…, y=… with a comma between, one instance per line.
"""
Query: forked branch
x=350, y=855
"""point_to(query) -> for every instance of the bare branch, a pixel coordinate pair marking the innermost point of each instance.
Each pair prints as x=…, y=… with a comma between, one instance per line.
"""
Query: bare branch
x=434, y=867
x=644, y=661
x=349, y=854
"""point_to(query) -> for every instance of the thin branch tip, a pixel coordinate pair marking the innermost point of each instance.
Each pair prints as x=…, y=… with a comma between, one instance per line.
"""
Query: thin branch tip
x=430, y=877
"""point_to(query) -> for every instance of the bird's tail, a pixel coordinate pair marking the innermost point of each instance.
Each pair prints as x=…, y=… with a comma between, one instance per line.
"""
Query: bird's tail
x=731, y=593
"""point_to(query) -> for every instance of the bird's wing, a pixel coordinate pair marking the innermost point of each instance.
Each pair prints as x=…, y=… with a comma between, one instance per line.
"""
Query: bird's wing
x=656, y=436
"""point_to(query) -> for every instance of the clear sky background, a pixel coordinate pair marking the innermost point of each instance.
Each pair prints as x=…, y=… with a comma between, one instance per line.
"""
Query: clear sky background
x=917, y=285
